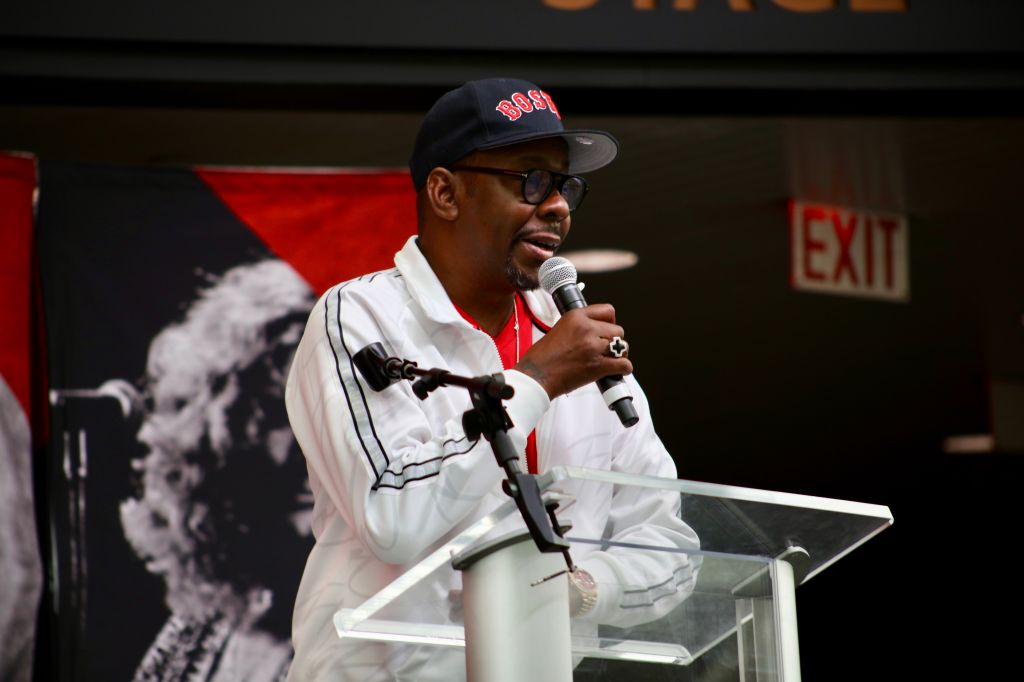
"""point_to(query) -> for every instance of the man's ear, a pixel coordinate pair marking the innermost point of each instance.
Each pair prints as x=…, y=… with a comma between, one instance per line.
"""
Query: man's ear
x=440, y=190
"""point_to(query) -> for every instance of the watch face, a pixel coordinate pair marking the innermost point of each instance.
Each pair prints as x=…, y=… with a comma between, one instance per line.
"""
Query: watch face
x=584, y=580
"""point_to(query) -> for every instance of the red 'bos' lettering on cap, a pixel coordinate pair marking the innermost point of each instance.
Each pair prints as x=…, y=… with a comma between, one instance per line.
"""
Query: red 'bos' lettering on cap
x=519, y=104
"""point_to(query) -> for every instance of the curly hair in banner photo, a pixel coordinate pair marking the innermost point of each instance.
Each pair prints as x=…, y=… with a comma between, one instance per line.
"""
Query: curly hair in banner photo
x=221, y=485
x=217, y=504
x=181, y=509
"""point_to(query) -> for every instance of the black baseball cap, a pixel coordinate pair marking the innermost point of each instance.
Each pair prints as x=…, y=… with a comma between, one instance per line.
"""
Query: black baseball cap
x=497, y=112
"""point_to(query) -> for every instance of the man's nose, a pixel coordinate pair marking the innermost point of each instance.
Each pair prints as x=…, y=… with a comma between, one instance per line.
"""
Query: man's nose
x=554, y=206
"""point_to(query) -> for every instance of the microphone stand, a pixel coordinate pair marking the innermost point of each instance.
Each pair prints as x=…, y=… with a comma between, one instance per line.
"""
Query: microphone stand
x=487, y=418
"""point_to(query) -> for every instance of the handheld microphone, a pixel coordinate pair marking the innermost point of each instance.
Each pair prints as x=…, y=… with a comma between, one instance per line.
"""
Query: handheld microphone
x=558, y=278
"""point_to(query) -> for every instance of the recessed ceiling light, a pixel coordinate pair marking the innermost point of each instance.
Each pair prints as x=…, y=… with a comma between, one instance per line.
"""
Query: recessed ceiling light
x=967, y=444
x=601, y=260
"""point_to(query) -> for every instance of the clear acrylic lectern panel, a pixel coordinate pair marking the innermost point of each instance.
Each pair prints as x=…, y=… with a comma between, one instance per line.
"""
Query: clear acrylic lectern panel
x=728, y=614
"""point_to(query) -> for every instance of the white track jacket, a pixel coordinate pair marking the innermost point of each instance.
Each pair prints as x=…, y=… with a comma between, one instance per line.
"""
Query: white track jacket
x=393, y=476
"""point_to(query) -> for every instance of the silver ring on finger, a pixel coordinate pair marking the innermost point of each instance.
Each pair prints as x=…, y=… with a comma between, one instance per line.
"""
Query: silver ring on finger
x=617, y=347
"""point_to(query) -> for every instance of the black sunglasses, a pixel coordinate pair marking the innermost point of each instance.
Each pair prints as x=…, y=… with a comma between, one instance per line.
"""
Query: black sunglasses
x=537, y=184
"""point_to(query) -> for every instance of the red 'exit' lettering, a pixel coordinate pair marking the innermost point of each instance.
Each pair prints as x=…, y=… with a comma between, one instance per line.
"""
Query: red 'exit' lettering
x=848, y=251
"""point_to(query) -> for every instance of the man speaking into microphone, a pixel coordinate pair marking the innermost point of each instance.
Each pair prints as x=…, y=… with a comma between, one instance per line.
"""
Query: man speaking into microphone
x=393, y=477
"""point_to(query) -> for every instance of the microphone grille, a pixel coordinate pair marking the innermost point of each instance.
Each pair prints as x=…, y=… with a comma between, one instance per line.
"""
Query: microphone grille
x=556, y=272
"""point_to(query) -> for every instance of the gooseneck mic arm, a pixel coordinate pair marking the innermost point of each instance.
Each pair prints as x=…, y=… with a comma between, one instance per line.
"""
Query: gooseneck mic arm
x=487, y=418
x=380, y=371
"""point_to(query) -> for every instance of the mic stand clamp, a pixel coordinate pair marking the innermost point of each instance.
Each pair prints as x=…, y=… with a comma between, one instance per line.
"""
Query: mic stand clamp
x=489, y=419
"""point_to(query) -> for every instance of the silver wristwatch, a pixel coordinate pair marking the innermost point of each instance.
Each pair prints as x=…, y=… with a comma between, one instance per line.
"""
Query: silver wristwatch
x=583, y=592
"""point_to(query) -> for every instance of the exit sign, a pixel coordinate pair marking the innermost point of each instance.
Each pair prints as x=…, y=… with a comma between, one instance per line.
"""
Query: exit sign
x=849, y=251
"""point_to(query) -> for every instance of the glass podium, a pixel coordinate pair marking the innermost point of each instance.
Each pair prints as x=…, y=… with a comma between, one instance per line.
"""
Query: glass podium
x=730, y=616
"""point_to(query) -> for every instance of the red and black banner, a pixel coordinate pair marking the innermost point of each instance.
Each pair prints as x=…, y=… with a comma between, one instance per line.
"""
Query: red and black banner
x=21, y=577
x=178, y=498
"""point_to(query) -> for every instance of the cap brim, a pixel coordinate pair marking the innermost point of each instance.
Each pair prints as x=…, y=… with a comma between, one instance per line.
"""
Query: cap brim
x=588, y=149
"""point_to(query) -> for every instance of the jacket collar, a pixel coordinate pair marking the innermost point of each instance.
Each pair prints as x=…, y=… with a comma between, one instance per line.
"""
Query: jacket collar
x=426, y=289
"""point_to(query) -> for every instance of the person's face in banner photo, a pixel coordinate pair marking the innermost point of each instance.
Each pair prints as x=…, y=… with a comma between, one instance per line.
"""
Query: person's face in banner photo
x=222, y=508
x=502, y=237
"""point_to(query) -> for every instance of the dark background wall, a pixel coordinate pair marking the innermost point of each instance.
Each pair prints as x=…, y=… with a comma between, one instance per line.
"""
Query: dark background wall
x=752, y=383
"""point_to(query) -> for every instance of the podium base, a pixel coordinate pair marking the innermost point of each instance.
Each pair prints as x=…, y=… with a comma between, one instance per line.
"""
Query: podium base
x=515, y=630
